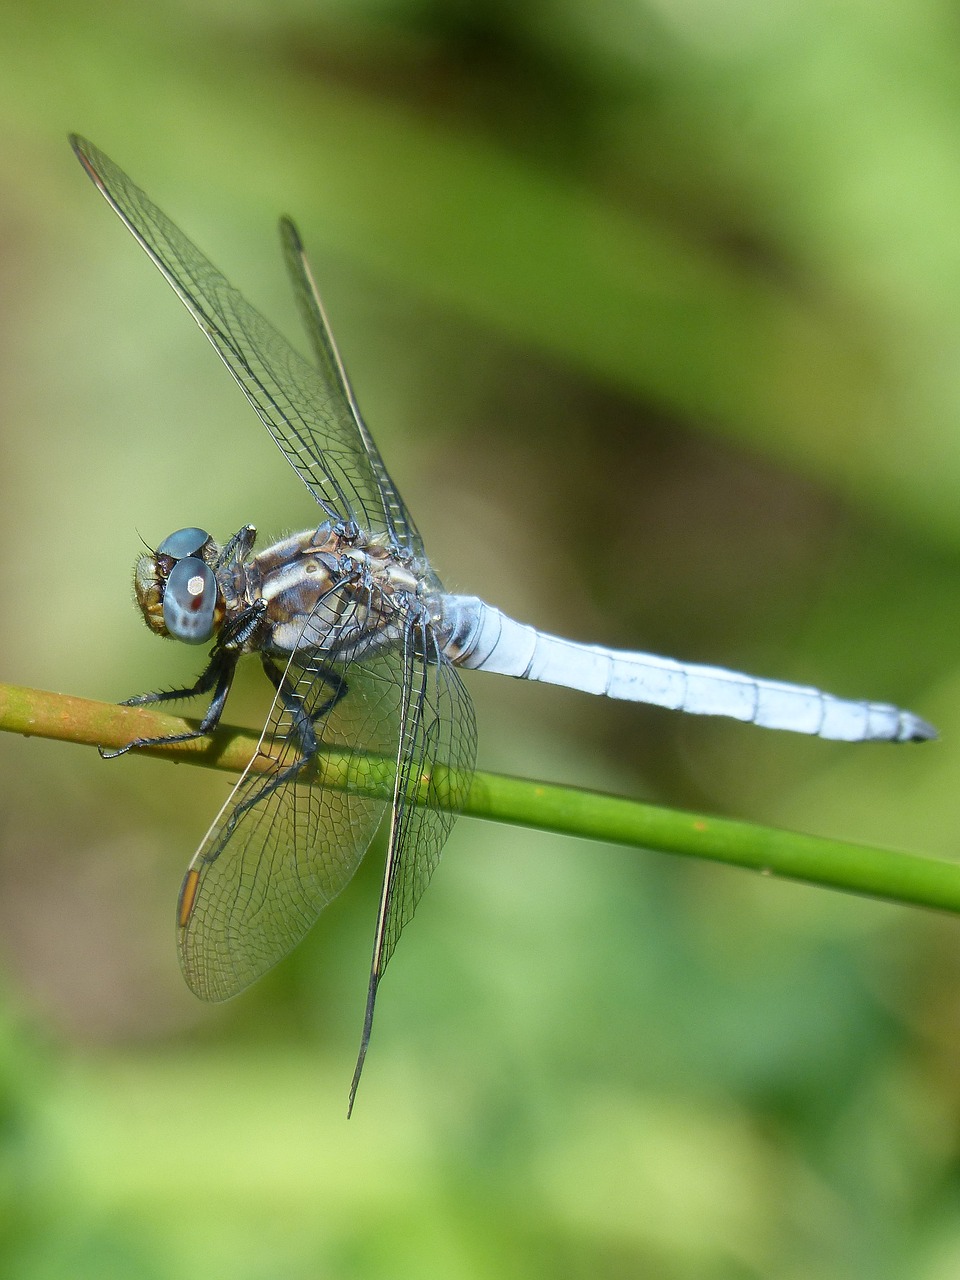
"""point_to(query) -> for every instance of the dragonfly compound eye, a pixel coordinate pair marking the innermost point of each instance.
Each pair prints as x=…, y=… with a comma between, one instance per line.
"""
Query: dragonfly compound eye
x=190, y=601
x=183, y=543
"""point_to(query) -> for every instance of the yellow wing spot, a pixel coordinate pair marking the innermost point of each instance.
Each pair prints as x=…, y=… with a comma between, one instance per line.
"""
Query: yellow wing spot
x=188, y=895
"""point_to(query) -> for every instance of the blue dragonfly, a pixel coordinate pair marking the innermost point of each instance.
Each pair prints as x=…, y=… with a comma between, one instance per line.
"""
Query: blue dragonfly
x=363, y=647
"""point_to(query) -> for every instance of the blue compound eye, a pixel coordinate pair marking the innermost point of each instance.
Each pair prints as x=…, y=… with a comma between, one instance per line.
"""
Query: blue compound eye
x=190, y=600
x=183, y=543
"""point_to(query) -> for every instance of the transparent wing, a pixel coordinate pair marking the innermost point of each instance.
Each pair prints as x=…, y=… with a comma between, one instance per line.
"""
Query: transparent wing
x=304, y=408
x=437, y=753
x=395, y=515
x=283, y=846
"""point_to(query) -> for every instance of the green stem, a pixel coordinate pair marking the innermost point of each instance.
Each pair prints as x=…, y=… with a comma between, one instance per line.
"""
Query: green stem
x=836, y=864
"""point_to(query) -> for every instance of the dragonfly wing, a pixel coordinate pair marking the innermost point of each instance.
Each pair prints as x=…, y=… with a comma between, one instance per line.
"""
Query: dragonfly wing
x=437, y=754
x=396, y=518
x=305, y=409
x=284, y=846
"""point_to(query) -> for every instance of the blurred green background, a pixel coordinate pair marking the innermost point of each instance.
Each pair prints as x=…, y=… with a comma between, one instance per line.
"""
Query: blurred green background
x=654, y=308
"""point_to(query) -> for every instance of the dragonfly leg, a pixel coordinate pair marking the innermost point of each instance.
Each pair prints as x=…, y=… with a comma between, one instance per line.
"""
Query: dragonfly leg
x=217, y=675
x=238, y=631
x=304, y=721
x=302, y=730
x=239, y=546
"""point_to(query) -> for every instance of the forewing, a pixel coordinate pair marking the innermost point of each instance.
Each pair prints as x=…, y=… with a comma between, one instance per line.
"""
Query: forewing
x=283, y=846
x=303, y=408
x=396, y=518
x=438, y=748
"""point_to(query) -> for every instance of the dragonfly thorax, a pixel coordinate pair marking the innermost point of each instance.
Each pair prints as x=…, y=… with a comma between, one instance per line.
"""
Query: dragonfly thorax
x=326, y=593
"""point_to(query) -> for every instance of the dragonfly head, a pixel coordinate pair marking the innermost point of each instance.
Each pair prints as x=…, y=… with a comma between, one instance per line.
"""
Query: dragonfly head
x=177, y=589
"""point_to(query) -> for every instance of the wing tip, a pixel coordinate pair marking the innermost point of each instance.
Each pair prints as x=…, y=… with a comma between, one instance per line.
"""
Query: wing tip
x=364, y=1039
x=91, y=158
x=290, y=235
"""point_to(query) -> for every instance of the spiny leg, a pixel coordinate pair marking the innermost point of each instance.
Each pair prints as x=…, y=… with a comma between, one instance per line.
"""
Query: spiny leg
x=239, y=546
x=217, y=675
x=302, y=731
x=301, y=728
x=327, y=676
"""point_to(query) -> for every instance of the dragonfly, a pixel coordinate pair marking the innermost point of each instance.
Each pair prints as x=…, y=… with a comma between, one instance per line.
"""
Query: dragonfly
x=363, y=648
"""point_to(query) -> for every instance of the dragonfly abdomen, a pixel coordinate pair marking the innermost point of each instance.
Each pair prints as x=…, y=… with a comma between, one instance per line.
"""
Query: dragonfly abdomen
x=481, y=637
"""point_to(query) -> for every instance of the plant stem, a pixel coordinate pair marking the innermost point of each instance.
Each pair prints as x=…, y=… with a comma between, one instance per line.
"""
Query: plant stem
x=877, y=873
